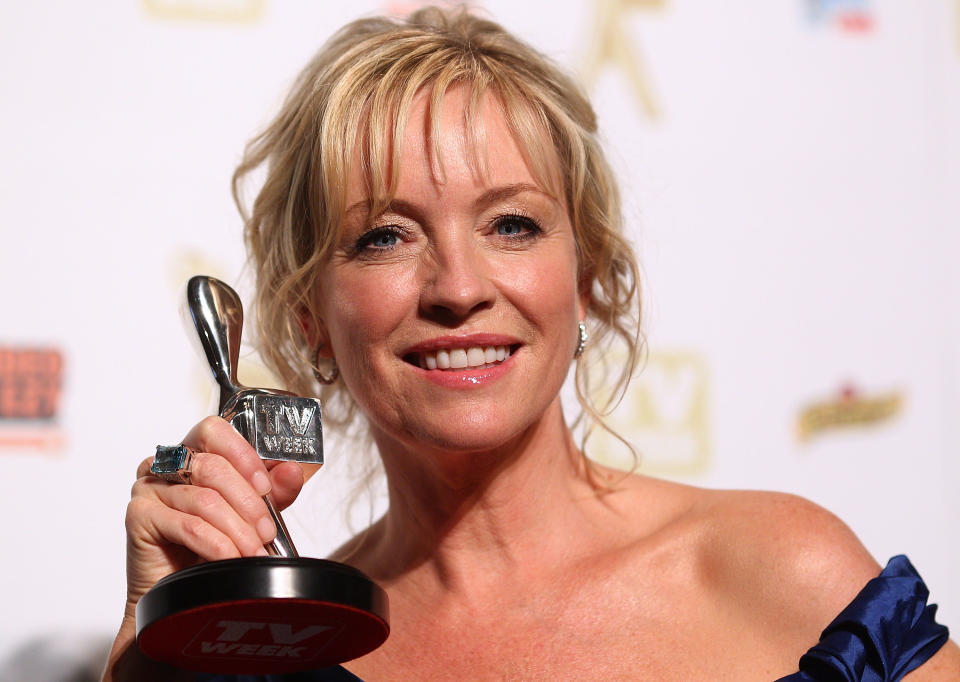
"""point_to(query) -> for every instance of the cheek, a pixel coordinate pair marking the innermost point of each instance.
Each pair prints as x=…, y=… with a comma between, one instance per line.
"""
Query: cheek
x=545, y=287
x=366, y=305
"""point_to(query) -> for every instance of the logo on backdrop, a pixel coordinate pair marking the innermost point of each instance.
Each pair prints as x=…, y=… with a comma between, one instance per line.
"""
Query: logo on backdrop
x=847, y=409
x=31, y=381
x=229, y=11
x=612, y=46
x=852, y=16
x=665, y=414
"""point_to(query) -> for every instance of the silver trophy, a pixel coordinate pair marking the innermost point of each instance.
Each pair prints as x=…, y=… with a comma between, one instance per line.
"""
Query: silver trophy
x=278, y=424
x=275, y=614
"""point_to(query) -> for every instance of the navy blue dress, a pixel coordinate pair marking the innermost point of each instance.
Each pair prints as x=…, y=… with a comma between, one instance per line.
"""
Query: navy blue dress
x=885, y=632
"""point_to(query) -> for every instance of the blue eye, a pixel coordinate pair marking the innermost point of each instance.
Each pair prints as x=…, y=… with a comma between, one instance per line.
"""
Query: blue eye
x=378, y=239
x=515, y=226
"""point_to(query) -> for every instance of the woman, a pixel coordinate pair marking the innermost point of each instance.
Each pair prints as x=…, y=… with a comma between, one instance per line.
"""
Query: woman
x=436, y=233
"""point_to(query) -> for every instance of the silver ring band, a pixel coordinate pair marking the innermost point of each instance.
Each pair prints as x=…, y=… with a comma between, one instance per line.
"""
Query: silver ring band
x=172, y=463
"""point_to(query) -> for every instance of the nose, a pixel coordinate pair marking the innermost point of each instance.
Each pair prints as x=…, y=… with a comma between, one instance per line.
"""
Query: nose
x=457, y=281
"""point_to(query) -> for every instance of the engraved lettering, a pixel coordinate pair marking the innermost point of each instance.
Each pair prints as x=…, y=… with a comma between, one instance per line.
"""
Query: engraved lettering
x=272, y=443
x=282, y=633
x=291, y=651
x=299, y=421
x=272, y=421
x=234, y=630
x=217, y=647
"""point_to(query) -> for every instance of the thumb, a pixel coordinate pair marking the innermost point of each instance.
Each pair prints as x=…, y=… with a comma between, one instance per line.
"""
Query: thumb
x=287, y=480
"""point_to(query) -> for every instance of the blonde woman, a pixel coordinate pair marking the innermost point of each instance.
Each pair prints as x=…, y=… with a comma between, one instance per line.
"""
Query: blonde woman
x=439, y=236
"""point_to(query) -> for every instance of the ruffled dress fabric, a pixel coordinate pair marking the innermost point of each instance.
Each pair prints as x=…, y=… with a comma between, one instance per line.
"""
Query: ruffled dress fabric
x=885, y=632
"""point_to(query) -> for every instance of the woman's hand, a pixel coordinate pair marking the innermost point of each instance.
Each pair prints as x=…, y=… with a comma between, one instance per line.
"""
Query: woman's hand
x=220, y=516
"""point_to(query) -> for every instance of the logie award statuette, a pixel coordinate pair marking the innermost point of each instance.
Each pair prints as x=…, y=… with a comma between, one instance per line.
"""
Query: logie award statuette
x=258, y=615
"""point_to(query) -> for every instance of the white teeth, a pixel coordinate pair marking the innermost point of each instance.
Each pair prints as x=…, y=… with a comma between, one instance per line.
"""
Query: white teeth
x=461, y=358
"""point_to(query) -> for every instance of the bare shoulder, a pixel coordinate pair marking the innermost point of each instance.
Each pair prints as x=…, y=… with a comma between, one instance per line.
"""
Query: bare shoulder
x=786, y=556
x=773, y=568
x=795, y=564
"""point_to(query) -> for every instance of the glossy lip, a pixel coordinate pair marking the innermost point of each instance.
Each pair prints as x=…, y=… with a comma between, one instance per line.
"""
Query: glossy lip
x=470, y=377
x=465, y=378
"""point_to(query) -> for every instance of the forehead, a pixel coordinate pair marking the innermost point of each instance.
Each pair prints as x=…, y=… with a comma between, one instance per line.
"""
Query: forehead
x=453, y=139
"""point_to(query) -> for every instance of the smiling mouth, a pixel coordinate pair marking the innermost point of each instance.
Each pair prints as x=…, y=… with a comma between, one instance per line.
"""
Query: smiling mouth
x=474, y=357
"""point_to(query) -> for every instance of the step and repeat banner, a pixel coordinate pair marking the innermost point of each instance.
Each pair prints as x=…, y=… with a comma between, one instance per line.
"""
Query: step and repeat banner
x=791, y=174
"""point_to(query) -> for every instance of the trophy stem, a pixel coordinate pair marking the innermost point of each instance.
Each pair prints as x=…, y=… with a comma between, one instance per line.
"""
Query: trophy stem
x=281, y=545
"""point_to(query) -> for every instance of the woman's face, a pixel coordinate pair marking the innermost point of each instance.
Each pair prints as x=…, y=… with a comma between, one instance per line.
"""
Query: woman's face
x=421, y=304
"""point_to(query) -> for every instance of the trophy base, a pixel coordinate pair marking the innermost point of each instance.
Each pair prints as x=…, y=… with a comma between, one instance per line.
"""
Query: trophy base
x=262, y=615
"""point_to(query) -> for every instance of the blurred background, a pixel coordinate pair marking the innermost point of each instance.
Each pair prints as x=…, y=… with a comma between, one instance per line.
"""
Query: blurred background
x=791, y=172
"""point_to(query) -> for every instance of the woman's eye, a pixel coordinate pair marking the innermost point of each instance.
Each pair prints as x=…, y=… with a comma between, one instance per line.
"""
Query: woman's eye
x=378, y=239
x=516, y=227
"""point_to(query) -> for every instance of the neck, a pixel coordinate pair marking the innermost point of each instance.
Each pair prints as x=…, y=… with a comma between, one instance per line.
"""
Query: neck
x=463, y=519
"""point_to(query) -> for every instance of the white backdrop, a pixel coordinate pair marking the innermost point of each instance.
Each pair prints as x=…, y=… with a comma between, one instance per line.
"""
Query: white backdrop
x=790, y=171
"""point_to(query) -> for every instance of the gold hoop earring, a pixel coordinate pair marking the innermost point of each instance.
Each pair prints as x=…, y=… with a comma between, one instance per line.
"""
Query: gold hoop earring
x=334, y=370
x=582, y=337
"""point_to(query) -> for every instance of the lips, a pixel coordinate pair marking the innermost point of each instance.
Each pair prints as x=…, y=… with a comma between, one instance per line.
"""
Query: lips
x=461, y=354
x=464, y=358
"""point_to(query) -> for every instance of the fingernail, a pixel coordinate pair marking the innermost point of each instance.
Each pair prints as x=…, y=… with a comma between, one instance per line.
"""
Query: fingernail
x=266, y=529
x=263, y=552
x=261, y=483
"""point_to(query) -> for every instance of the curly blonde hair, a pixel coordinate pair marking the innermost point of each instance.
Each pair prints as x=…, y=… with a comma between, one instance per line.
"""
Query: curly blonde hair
x=355, y=96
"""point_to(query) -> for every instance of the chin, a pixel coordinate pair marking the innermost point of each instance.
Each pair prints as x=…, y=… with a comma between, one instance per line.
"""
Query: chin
x=466, y=434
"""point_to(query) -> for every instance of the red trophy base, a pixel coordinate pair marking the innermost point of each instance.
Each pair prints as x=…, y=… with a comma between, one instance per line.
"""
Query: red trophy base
x=262, y=615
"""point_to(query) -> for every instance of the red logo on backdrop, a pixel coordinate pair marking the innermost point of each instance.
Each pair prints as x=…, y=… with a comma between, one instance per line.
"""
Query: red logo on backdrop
x=258, y=641
x=31, y=381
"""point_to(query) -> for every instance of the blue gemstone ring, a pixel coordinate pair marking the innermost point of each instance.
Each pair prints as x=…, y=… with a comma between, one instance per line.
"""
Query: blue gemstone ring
x=172, y=463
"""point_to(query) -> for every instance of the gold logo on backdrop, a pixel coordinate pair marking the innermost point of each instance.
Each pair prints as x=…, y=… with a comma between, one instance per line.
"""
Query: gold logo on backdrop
x=666, y=415
x=848, y=409
x=611, y=45
x=227, y=11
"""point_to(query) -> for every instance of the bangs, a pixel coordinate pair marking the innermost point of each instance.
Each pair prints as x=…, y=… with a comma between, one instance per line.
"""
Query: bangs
x=375, y=112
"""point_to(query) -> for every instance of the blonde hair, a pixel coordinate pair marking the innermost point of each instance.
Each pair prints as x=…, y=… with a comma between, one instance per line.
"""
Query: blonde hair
x=355, y=95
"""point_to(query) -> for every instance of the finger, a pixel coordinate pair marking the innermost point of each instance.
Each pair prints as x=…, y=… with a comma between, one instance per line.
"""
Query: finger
x=209, y=505
x=144, y=467
x=287, y=480
x=217, y=473
x=213, y=472
x=165, y=525
x=214, y=434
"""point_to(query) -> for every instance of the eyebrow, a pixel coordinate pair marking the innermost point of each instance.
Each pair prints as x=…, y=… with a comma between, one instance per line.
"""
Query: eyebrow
x=485, y=200
x=497, y=194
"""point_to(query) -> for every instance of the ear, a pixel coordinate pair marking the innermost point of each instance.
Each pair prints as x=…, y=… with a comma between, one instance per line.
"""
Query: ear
x=314, y=332
x=584, y=294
